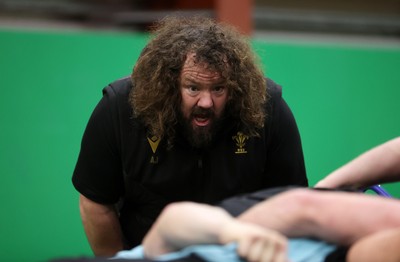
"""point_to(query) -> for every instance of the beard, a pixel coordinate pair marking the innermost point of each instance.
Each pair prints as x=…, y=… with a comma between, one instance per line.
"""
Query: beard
x=200, y=136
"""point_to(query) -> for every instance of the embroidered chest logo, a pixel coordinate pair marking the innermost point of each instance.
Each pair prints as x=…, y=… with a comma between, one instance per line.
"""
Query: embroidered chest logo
x=240, y=140
x=153, y=141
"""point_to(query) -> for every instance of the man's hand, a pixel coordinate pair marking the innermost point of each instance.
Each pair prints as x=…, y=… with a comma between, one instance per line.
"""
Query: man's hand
x=185, y=224
x=254, y=242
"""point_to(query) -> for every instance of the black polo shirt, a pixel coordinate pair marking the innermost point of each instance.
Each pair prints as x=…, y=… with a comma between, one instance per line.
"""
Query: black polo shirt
x=120, y=163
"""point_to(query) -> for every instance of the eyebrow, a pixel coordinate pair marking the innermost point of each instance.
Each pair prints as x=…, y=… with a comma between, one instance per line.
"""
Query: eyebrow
x=192, y=81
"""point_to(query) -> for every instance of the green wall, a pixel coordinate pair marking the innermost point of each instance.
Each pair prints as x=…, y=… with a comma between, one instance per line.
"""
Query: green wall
x=345, y=100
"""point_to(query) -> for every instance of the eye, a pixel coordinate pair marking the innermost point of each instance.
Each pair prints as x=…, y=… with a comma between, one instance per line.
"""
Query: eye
x=219, y=89
x=192, y=90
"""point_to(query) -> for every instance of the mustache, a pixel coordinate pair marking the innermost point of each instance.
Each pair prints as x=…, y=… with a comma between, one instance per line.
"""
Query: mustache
x=202, y=112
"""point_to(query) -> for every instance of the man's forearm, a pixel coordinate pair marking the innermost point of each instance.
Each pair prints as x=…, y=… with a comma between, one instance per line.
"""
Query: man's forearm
x=102, y=227
x=379, y=165
x=186, y=223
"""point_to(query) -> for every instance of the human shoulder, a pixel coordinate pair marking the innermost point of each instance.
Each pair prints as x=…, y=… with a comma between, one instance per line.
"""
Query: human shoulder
x=118, y=88
x=116, y=97
x=274, y=90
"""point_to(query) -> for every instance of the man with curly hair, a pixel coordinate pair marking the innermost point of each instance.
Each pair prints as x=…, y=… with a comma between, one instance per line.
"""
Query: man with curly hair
x=196, y=121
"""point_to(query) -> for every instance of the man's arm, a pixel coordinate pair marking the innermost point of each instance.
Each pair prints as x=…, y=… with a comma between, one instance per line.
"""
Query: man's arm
x=337, y=217
x=102, y=227
x=186, y=223
x=378, y=165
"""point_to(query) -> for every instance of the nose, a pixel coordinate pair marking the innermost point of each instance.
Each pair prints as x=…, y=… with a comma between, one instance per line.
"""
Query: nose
x=205, y=100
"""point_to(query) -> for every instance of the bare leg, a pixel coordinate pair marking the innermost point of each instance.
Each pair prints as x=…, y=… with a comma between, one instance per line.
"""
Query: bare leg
x=337, y=217
x=381, y=246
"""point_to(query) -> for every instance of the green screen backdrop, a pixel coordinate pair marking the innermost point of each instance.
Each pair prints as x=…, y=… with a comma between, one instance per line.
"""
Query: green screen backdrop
x=345, y=100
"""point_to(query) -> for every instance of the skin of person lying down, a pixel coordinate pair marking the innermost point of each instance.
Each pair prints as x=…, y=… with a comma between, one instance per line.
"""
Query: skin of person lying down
x=341, y=218
x=369, y=224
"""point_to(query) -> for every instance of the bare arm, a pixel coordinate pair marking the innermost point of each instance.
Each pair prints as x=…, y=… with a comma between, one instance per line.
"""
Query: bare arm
x=336, y=217
x=101, y=226
x=184, y=224
x=378, y=165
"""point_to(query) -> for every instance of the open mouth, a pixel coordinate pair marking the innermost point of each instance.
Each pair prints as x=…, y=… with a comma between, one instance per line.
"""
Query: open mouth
x=202, y=117
x=201, y=120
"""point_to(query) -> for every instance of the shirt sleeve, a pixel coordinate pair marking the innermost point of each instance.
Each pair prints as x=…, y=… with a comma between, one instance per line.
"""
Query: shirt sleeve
x=285, y=160
x=98, y=172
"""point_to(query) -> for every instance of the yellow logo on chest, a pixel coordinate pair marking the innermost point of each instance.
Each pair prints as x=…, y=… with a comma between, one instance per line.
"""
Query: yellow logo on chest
x=153, y=142
x=240, y=140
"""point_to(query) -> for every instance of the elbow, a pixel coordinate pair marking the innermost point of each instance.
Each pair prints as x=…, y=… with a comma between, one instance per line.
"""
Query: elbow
x=88, y=207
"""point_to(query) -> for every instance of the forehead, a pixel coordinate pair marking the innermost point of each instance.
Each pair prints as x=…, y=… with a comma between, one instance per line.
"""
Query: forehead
x=194, y=70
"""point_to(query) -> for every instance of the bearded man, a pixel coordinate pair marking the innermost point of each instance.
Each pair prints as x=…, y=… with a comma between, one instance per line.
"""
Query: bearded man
x=196, y=121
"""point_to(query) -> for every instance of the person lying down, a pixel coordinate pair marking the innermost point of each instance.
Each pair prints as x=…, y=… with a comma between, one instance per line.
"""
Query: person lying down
x=290, y=224
x=295, y=224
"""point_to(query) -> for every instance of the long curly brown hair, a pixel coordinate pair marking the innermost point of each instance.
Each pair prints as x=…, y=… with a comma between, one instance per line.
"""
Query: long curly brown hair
x=156, y=99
